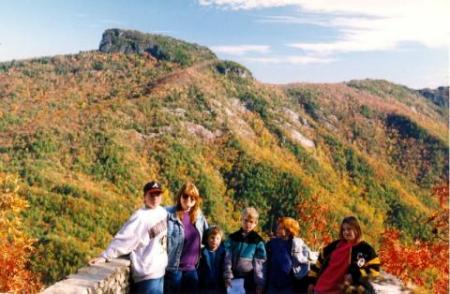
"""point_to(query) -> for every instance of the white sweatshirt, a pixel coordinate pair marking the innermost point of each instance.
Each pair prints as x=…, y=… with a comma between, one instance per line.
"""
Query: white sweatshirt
x=144, y=237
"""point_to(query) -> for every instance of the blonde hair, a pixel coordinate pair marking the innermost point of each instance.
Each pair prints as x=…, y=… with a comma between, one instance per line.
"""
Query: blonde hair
x=250, y=212
x=291, y=226
x=189, y=189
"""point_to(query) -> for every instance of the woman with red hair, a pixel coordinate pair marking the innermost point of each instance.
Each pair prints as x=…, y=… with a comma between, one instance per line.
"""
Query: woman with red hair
x=185, y=227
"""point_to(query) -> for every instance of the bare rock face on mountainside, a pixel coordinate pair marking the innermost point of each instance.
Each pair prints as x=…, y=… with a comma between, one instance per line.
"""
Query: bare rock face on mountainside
x=438, y=96
x=160, y=47
x=85, y=131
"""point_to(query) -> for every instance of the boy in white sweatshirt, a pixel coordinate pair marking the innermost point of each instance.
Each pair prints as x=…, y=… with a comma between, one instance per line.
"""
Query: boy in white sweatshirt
x=144, y=237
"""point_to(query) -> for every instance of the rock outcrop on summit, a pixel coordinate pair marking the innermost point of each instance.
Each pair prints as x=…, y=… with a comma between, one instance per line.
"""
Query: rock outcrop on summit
x=158, y=46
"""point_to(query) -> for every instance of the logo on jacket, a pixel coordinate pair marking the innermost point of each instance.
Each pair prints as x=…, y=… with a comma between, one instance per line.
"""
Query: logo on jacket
x=360, y=260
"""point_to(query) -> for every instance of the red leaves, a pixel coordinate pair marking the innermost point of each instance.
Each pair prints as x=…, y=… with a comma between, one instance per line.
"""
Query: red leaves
x=422, y=263
x=441, y=192
x=440, y=218
x=313, y=218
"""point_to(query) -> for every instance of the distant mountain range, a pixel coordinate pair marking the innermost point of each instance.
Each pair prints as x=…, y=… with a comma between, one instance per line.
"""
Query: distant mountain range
x=86, y=131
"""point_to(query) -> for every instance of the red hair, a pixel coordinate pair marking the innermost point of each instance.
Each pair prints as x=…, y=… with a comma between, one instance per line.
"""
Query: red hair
x=191, y=190
x=290, y=225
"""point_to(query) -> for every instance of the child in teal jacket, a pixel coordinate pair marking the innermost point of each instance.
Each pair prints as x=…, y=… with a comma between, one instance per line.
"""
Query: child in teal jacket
x=246, y=254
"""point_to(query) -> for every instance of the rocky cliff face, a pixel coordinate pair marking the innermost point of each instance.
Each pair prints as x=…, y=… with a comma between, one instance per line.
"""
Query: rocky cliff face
x=162, y=48
x=438, y=96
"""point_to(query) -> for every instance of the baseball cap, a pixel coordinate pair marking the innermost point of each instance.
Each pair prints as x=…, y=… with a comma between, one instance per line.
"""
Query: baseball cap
x=152, y=186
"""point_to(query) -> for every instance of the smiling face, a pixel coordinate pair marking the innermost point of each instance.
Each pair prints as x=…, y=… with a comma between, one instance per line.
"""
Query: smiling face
x=152, y=199
x=348, y=233
x=350, y=230
x=248, y=224
x=187, y=202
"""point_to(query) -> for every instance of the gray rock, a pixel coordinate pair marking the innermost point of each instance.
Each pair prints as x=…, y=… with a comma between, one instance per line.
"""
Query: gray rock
x=110, y=277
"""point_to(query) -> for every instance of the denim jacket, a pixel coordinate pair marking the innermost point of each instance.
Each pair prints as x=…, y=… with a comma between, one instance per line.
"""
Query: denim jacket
x=300, y=253
x=175, y=236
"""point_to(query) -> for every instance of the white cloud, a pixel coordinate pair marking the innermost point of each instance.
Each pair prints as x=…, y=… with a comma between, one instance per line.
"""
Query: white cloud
x=290, y=60
x=248, y=4
x=244, y=50
x=288, y=19
x=362, y=25
x=240, y=49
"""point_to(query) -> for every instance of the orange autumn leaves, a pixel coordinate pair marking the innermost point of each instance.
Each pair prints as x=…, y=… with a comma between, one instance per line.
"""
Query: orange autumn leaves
x=15, y=245
x=423, y=263
x=313, y=215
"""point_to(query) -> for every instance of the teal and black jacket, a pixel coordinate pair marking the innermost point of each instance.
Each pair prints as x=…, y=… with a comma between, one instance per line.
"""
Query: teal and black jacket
x=245, y=255
x=364, y=266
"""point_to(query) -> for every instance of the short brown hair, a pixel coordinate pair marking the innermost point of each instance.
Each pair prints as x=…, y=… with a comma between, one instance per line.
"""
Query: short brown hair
x=353, y=222
x=214, y=231
x=290, y=225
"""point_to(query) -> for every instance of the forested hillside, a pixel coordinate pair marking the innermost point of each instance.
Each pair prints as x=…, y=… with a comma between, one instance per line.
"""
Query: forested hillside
x=84, y=132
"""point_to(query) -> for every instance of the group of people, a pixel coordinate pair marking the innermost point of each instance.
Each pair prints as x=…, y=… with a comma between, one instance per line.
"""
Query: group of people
x=173, y=250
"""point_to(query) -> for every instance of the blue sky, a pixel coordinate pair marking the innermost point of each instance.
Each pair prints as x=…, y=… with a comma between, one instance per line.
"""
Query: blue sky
x=280, y=41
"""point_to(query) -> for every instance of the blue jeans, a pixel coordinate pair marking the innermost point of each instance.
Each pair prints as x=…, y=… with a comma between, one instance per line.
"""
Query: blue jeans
x=273, y=289
x=152, y=286
x=181, y=282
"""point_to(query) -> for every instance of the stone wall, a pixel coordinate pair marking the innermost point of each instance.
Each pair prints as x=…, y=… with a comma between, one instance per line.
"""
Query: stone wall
x=114, y=277
x=110, y=277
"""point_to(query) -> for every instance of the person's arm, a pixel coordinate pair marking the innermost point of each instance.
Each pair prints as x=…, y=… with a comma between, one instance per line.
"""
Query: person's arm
x=205, y=225
x=205, y=228
x=266, y=267
x=315, y=269
x=259, y=260
x=300, y=254
x=227, y=264
x=371, y=267
x=97, y=260
x=306, y=254
x=126, y=240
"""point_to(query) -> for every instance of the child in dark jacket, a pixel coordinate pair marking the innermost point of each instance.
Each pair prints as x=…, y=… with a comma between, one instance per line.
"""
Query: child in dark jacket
x=287, y=259
x=246, y=254
x=212, y=263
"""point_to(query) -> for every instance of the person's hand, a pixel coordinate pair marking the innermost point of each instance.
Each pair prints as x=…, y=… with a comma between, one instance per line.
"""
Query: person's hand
x=348, y=278
x=97, y=260
x=311, y=289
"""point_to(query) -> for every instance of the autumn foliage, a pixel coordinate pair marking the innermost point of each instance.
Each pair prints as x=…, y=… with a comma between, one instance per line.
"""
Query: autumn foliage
x=85, y=131
x=313, y=217
x=424, y=263
x=16, y=246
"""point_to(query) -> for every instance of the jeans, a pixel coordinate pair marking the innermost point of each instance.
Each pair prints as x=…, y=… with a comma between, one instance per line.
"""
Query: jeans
x=181, y=282
x=275, y=290
x=249, y=283
x=152, y=286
